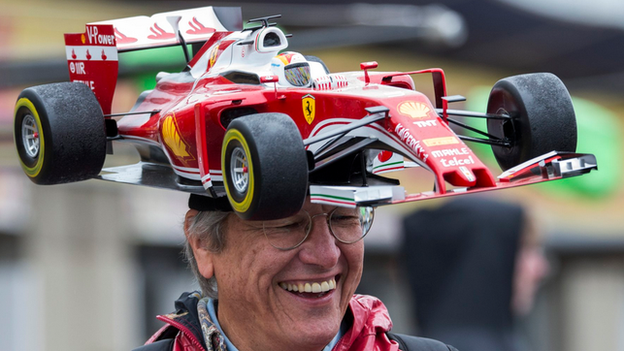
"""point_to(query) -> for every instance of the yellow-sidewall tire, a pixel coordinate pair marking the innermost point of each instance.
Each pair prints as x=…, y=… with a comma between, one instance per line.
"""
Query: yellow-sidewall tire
x=32, y=162
x=242, y=197
x=67, y=122
x=265, y=166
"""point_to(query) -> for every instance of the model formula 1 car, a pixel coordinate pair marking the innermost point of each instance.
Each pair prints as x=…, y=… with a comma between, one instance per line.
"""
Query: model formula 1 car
x=267, y=127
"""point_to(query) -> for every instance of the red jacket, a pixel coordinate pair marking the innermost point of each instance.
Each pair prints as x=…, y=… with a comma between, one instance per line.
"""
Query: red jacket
x=371, y=321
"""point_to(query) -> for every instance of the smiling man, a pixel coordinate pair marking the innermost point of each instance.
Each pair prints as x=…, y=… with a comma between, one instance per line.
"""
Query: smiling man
x=284, y=284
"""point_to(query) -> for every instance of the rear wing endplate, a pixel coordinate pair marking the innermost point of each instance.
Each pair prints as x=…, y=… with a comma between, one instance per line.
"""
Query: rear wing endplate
x=92, y=60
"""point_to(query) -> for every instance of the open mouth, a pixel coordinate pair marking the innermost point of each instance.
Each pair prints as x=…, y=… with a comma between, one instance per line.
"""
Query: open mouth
x=310, y=289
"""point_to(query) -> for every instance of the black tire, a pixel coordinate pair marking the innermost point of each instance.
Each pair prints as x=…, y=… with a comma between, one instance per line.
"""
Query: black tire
x=542, y=114
x=60, y=133
x=275, y=181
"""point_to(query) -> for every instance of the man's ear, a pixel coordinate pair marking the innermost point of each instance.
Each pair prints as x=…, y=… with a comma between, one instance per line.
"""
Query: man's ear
x=202, y=255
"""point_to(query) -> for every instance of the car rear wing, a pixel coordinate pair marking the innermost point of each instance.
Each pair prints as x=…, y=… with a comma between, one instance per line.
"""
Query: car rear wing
x=195, y=25
x=92, y=55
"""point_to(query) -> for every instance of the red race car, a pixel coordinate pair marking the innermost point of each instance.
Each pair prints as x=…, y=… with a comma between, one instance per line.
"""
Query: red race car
x=267, y=127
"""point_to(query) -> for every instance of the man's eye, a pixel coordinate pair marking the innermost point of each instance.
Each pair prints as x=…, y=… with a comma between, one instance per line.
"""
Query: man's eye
x=289, y=226
x=345, y=220
x=285, y=225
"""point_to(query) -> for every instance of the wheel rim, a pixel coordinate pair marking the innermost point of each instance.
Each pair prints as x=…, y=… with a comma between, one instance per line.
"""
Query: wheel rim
x=507, y=128
x=30, y=136
x=239, y=169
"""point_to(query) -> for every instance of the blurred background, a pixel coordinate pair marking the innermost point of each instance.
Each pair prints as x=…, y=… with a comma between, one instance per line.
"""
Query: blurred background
x=87, y=266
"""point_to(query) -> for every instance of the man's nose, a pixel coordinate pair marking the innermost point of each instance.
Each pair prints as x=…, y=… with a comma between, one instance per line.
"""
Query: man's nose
x=321, y=247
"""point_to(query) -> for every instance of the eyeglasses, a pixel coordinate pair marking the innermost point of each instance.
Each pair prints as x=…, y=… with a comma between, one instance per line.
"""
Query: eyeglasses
x=347, y=225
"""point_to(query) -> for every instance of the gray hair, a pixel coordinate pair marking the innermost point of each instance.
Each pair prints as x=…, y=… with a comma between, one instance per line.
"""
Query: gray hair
x=209, y=227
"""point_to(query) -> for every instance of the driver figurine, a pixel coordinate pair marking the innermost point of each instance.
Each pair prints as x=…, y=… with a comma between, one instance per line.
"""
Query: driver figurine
x=292, y=69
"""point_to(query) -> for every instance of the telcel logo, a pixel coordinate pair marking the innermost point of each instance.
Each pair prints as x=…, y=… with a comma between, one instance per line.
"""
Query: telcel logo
x=457, y=161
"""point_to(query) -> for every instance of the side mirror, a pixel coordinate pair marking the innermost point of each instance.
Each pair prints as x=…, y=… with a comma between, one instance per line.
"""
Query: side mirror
x=269, y=79
x=366, y=66
x=272, y=79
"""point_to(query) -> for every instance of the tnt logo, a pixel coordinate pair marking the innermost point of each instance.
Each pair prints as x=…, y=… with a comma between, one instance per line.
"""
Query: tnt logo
x=429, y=123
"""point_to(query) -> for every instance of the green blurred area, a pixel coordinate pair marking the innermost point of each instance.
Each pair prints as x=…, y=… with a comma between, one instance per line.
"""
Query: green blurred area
x=159, y=58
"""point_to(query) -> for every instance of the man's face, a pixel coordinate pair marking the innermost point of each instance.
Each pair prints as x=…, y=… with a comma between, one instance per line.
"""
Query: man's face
x=257, y=310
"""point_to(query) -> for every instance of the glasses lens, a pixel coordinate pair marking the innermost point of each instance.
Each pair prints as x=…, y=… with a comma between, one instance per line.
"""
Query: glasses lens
x=351, y=224
x=287, y=233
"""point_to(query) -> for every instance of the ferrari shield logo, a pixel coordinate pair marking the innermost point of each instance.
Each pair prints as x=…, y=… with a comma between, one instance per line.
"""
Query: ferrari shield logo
x=309, y=108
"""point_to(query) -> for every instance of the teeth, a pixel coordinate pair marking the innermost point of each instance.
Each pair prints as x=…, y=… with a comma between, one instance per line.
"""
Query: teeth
x=314, y=287
x=324, y=286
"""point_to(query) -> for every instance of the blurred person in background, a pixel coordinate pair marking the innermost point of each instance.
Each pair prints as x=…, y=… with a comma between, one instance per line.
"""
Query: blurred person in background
x=285, y=284
x=474, y=266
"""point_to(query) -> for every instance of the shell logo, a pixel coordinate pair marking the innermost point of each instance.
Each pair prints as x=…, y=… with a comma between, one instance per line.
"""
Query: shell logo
x=414, y=109
x=172, y=138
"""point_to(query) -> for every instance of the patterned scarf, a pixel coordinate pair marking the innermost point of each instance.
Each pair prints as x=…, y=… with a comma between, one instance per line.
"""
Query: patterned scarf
x=212, y=336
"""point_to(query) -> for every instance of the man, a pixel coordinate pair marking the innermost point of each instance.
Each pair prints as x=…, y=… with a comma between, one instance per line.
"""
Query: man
x=284, y=284
x=474, y=265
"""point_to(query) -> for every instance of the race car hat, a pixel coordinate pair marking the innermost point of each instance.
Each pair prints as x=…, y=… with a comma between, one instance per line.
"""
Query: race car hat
x=206, y=203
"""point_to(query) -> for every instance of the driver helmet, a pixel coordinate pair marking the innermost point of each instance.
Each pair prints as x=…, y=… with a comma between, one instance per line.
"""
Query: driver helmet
x=292, y=69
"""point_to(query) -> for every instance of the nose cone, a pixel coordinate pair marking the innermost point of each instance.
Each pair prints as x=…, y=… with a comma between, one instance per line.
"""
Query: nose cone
x=462, y=176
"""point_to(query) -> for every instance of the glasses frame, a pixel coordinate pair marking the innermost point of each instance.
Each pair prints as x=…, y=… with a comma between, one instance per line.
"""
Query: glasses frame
x=327, y=217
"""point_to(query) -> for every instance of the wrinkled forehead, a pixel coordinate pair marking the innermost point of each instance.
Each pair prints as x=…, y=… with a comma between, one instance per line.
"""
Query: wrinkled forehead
x=316, y=208
x=310, y=208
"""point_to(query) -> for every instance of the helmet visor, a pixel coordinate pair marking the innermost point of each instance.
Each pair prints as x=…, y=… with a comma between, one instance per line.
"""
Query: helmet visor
x=298, y=74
